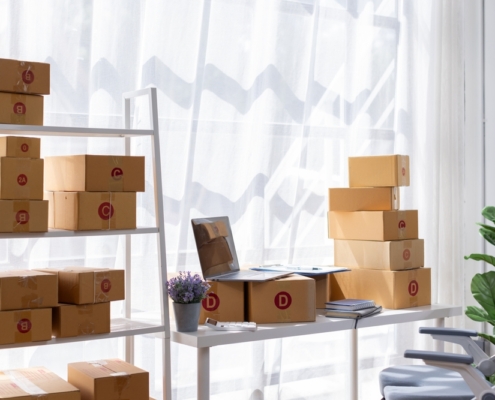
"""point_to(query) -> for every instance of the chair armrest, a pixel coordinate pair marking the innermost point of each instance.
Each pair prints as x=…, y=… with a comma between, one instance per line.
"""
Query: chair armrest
x=441, y=357
x=449, y=332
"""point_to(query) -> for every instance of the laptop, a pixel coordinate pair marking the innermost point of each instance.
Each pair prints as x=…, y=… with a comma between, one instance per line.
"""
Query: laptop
x=217, y=254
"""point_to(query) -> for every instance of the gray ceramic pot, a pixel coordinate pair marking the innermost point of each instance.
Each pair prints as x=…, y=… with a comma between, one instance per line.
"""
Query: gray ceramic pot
x=187, y=316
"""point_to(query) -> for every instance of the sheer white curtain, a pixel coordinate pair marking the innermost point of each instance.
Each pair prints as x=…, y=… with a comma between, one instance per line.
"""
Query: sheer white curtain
x=260, y=104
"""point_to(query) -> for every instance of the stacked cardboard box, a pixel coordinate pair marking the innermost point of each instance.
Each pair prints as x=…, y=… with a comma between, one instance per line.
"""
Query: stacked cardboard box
x=21, y=84
x=375, y=239
x=93, y=192
x=22, y=208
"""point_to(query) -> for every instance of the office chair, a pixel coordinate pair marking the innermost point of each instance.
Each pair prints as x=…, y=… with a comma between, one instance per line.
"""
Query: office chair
x=431, y=382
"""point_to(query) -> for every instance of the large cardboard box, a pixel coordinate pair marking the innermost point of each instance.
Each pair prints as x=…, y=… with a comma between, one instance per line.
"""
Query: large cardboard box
x=78, y=320
x=376, y=171
x=24, y=76
x=225, y=302
x=25, y=289
x=21, y=179
x=21, y=109
x=23, y=216
x=373, y=225
x=35, y=383
x=323, y=285
x=290, y=299
x=390, y=289
x=83, y=285
x=19, y=147
x=363, y=199
x=82, y=211
x=394, y=256
x=92, y=173
x=109, y=379
x=23, y=326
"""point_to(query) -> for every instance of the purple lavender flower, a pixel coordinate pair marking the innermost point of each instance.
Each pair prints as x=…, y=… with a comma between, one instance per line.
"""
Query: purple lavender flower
x=186, y=289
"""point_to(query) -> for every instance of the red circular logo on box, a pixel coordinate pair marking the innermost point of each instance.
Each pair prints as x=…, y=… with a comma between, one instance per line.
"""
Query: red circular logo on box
x=105, y=211
x=22, y=217
x=403, y=171
x=106, y=285
x=24, y=325
x=19, y=108
x=28, y=76
x=283, y=300
x=22, y=179
x=211, y=303
x=24, y=147
x=406, y=254
x=117, y=174
x=413, y=288
x=402, y=224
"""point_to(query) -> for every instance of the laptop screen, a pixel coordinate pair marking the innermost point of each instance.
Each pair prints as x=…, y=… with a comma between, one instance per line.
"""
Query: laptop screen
x=215, y=245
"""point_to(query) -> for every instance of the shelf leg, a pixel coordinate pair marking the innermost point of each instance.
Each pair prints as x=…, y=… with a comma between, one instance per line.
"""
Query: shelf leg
x=204, y=373
x=167, y=373
x=353, y=365
x=440, y=344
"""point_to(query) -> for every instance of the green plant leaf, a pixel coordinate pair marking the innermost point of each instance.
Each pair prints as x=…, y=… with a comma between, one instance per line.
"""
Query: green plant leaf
x=490, y=338
x=483, y=290
x=489, y=213
x=487, y=227
x=481, y=257
x=488, y=234
x=477, y=314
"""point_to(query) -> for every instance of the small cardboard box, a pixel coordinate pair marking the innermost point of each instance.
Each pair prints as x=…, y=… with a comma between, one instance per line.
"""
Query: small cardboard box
x=82, y=211
x=363, y=199
x=23, y=216
x=19, y=147
x=91, y=173
x=373, y=225
x=109, y=379
x=23, y=326
x=24, y=76
x=35, y=383
x=21, y=109
x=389, y=289
x=25, y=289
x=225, y=302
x=323, y=289
x=376, y=171
x=290, y=299
x=21, y=179
x=394, y=256
x=78, y=320
x=83, y=285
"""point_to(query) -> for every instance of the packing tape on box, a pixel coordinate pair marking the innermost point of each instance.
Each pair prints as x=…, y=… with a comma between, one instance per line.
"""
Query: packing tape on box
x=25, y=76
x=22, y=326
x=116, y=172
x=31, y=301
x=102, y=286
x=25, y=384
x=19, y=109
x=122, y=378
x=403, y=170
x=86, y=328
x=413, y=288
x=395, y=198
x=106, y=211
x=401, y=224
x=21, y=216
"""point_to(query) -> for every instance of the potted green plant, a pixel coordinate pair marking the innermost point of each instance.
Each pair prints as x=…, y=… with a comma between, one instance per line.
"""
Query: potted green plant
x=187, y=291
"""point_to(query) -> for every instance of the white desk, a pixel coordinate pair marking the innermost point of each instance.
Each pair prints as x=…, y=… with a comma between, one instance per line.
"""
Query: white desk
x=205, y=337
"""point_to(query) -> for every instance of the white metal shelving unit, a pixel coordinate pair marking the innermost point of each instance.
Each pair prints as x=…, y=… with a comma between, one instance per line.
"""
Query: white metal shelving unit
x=120, y=327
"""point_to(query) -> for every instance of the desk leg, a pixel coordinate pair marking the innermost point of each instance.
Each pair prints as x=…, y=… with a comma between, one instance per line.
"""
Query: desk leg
x=439, y=344
x=204, y=373
x=353, y=365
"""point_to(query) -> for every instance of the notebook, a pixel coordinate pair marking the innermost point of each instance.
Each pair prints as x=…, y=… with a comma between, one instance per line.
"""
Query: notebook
x=349, y=304
x=366, y=312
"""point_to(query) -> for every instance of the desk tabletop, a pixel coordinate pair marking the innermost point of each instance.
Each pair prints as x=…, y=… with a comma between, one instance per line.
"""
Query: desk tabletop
x=206, y=337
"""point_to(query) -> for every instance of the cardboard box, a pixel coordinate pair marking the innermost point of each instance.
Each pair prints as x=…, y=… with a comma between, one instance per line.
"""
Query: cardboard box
x=82, y=211
x=21, y=109
x=225, y=302
x=35, y=383
x=23, y=326
x=83, y=285
x=24, y=76
x=373, y=225
x=21, y=179
x=363, y=199
x=109, y=379
x=23, y=216
x=89, y=173
x=290, y=299
x=393, y=256
x=78, y=320
x=19, y=147
x=25, y=289
x=323, y=289
x=390, y=289
x=376, y=171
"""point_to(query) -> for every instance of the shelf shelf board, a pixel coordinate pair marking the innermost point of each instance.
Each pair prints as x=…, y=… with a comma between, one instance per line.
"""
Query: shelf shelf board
x=36, y=130
x=60, y=233
x=120, y=327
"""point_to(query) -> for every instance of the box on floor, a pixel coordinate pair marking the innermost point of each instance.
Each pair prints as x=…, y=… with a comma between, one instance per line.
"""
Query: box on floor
x=23, y=216
x=378, y=171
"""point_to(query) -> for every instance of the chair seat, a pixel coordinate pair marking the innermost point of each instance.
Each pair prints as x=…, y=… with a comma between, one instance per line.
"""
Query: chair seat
x=415, y=382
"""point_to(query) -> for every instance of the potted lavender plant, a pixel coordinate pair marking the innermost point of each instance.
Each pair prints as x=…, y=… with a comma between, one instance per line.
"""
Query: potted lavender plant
x=187, y=291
